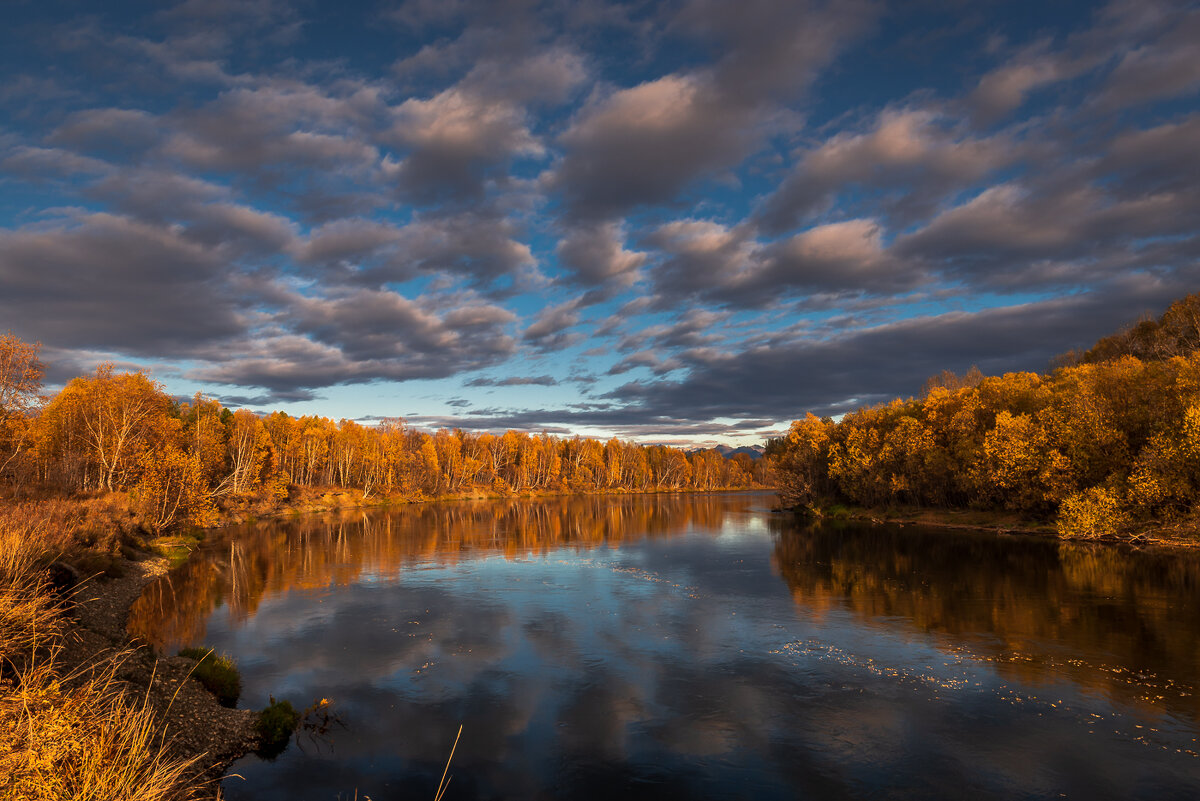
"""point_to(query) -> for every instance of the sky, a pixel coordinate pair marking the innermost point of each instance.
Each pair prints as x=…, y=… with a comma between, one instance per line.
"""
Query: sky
x=685, y=222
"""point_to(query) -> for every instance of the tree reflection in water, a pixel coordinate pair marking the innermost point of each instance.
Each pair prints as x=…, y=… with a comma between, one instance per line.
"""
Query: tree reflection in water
x=1112, y=619
x=698, y=647
x=271, y=557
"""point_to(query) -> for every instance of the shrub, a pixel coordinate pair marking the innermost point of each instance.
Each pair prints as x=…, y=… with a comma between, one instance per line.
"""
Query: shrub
x=217, y=673
x=275, y=726
x=1092, y=514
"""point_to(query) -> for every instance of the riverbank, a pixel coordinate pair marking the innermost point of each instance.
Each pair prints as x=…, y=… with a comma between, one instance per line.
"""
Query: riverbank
x=193, y=725
x=1185, y=534
x=87, y=712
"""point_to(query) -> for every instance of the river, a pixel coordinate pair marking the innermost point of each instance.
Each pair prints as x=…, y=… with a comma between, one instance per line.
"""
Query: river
x=695, y=646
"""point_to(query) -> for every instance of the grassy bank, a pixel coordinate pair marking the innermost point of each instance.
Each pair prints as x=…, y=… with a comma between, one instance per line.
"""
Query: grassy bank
x=85, y=715
x=71, y=734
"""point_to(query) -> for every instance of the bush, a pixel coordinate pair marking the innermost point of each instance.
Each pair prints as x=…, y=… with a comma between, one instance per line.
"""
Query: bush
x=275, y=726
x=217, y=673
x=1093, y=514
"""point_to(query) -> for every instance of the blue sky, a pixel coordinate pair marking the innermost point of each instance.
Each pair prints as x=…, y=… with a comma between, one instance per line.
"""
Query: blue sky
x=680, y=221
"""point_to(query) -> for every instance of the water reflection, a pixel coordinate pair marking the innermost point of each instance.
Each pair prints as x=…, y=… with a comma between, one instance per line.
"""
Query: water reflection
x=1116, y=620
x=244, y=563
x=697, y=647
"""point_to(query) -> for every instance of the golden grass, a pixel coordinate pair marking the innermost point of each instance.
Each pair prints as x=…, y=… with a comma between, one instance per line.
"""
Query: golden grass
x=66, y=737
x=28, y=619
x=87, y=741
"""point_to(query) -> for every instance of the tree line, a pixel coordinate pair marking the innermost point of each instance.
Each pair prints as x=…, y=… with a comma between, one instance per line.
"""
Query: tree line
x=1106, y=444
x=120, y=431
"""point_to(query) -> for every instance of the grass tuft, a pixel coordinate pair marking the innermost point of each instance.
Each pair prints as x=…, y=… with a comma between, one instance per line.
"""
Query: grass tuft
x=217, y=673
x=275, y=726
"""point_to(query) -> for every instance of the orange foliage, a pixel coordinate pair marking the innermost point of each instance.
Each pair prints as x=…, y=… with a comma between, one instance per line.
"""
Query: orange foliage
x=1106, y=447
x=121, y=432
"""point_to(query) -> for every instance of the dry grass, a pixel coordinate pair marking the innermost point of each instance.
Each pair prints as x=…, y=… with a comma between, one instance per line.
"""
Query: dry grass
x=66, y=737
x=28, y=619
x=83, y=741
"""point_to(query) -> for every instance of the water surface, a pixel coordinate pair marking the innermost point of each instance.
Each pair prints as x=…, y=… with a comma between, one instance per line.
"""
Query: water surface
x=696, y=646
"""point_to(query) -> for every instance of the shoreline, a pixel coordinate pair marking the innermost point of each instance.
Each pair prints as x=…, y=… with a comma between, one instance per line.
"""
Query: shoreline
x=317, y=500
x=999, y=524
x=192, y=724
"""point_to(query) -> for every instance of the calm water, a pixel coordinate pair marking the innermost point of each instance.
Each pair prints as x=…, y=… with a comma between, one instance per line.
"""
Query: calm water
x=697, y=647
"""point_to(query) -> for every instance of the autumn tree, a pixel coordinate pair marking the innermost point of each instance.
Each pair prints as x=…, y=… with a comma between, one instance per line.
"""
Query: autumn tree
x=101, y=425
x=20, y=382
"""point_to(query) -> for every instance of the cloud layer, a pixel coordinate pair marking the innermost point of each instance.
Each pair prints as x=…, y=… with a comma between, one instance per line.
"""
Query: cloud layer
x=679, y=220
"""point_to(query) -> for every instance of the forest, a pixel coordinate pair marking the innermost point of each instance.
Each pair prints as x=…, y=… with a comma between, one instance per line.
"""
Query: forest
x=1106, y=445
x=182, y=461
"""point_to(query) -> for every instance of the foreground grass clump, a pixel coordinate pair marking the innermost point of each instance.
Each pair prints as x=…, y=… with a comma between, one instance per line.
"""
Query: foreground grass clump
x=72, y=736
x=275, y=726
x=83, y=740
x=218, y=674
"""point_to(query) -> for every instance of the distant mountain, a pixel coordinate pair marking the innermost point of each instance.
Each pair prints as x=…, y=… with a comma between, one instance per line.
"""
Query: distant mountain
x=753, y=451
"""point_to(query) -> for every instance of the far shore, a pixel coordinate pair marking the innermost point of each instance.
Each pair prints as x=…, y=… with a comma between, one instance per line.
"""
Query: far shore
x=999, y=523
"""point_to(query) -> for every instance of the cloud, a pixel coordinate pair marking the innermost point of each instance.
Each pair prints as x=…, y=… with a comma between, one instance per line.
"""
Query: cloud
x=731, y=267
x=595, y=256
x=549, y=330
x=109, y=132
x=1166, y=67
x=514, y=381
x=258, y=131
x=1006, y=228
x=645, y=144
x=646, y=358
x=42, y=163
x=918, y=154
x=783, y=378
x=1163, y=157
x=479, y=246
x=358, y=335
x=455, y=141
x=104, y=281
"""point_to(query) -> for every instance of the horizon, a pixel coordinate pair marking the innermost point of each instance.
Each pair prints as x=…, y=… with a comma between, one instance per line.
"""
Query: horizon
x=682, y=223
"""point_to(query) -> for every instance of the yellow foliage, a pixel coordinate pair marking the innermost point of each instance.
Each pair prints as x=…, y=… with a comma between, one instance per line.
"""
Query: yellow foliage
x=172, y=490
x=1092, y=514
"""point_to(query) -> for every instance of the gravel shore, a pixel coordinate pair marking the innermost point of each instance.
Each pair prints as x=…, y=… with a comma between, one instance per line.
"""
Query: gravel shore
x=193, y=723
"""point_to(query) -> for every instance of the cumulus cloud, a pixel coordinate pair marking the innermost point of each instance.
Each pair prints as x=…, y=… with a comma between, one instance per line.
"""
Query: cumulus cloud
x=111, y=132
x=550, y=329
x=595, y=256
x=259, y=129
x=109, y=282
x=732, y=267
x=918, y=154
x=1008, y=228
x=646, y=143
x=455, y=141
x=360, y=335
